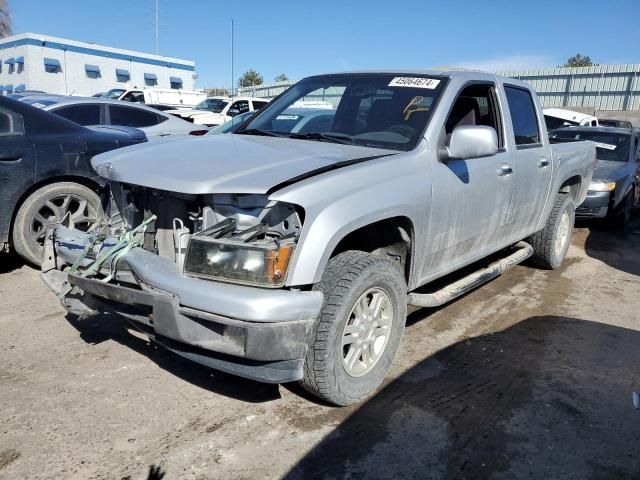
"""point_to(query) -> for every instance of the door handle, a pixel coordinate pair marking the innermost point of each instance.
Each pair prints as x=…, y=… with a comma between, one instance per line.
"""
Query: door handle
x=543, y=162
x=504, y=170
x=10, y=156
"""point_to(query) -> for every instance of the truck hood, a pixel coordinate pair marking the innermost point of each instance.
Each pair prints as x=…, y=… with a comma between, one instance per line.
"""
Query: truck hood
x=609, y=170
x=227, y=163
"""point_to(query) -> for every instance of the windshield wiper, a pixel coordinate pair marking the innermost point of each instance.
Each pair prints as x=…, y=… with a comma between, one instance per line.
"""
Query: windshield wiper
x=257, y=131
x=331, y=137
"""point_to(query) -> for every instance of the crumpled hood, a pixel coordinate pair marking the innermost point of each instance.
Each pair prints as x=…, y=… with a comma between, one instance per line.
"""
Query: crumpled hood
x=224, y=163
x=608, y=170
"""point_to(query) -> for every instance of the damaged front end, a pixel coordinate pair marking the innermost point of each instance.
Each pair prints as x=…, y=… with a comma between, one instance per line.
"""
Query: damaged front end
x=203, y=275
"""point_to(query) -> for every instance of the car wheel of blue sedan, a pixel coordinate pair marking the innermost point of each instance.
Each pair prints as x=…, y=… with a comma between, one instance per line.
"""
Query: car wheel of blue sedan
x=47, y=207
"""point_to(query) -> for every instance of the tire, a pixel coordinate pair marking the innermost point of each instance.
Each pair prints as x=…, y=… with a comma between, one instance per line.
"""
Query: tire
x=355, y=277
x=548, y=249
x=623, y=214
x=48, y=205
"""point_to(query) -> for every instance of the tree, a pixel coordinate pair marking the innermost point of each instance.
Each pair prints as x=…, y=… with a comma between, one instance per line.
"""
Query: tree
x=249, y=79
x=5, y=19
x=579, y=61
x=281, y=78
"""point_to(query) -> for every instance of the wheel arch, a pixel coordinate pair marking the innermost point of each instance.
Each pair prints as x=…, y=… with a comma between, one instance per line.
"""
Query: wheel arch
x=383, y=233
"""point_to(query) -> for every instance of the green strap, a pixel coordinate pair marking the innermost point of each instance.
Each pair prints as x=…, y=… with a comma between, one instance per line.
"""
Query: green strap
x=126, y=242
x=85, y=252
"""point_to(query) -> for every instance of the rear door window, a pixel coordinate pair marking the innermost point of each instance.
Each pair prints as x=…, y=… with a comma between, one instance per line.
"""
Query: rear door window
x=80, y=114
x=523, y=116
x=133, y=117
x=241, y=106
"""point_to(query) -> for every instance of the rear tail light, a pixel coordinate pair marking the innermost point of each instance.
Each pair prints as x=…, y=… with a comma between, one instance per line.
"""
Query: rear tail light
x=198, y=133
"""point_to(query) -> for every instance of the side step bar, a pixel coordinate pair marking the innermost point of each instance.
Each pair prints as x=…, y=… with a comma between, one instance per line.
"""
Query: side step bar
x=473, y=280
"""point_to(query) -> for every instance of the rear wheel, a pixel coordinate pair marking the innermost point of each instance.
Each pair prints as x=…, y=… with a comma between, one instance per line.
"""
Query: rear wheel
x=550, y=245
x=359, y=328
x=46, y=207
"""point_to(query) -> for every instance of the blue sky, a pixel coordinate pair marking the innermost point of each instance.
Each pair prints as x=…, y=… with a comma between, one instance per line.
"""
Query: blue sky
x=300, y=38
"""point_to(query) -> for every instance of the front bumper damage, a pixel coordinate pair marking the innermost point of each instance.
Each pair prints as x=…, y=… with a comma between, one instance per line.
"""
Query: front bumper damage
x=257, y=333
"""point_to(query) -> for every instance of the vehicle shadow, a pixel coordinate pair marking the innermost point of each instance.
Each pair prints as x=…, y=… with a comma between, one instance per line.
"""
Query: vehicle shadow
x=106, y=326
x=549, y=397
x=616, y=248
x=10, y=262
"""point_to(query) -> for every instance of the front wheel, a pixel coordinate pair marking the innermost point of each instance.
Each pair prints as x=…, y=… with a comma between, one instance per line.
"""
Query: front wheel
x=359, y=328
x=550, y=245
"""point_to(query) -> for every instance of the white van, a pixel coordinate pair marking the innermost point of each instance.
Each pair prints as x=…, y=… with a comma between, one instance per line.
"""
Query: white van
x=173, y=97
x=559, y=117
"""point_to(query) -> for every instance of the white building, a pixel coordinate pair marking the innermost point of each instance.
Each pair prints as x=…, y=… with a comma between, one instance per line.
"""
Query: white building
x=31, y=61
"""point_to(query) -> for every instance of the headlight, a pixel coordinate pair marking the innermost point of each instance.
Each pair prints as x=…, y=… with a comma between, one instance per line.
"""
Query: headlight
x=597, y=186
x=261, y=265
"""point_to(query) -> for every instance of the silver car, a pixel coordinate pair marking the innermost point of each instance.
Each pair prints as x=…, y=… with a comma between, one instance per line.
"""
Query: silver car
x=101, y=111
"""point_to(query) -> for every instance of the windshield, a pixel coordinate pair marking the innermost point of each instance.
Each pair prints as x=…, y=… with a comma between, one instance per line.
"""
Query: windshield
x=114, y=93
x=609, y=146
x=375, y=110
x=215, y=105
x=232, y=124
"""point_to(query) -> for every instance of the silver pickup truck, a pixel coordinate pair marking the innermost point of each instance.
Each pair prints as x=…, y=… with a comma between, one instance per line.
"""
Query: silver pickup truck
x=282, y=256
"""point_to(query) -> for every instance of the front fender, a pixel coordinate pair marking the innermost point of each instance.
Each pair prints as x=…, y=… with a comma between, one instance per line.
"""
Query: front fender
x=339, y=203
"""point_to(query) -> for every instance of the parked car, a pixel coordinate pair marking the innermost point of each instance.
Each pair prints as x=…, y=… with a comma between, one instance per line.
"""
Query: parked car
x=177, y=97
x=215, y=111
x=560, y=117
x=609, y=122
x=614, y=191
x=101, y=111
x=284, y=256
x=45, y=173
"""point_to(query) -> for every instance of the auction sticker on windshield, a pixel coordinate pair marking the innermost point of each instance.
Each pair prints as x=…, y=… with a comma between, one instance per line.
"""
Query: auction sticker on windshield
x=606, y=146
x=415, y=82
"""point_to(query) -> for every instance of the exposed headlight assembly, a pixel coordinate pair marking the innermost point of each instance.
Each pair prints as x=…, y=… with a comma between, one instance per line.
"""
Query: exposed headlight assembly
x=598, y=186
x=222, y=254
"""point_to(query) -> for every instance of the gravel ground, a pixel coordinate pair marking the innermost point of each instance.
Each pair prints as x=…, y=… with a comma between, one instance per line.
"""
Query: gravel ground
x=529, y=376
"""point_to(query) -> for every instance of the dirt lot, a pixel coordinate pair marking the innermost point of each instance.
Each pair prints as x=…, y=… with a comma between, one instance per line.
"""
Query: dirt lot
x=529, y=376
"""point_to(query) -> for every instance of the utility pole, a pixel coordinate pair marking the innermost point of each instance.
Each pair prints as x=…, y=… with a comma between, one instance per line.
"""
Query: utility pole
x=157, y=28
x=232, y=82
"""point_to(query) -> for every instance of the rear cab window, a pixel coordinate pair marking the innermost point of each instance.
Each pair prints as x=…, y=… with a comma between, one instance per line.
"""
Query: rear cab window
x=523, y=117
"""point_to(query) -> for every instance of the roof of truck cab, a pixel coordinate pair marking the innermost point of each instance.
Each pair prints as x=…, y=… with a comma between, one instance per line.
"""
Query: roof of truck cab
x=451, y=72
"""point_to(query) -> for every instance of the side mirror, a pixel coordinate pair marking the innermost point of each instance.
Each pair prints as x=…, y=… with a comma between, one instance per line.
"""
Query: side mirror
x=471, y=141
x=233, y=112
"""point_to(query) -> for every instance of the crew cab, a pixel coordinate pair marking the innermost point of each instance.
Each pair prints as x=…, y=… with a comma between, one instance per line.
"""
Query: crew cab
x=215, y=111
x=287, y=256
